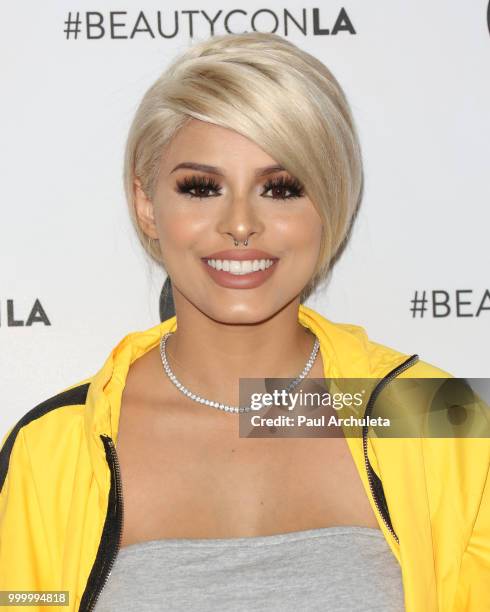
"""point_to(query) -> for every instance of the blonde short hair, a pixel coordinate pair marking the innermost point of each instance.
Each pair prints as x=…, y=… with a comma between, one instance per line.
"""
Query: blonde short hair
x=277, y=95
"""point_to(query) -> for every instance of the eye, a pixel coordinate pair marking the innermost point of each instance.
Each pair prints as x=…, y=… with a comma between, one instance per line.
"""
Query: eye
x=201, y=184
x=281, y=184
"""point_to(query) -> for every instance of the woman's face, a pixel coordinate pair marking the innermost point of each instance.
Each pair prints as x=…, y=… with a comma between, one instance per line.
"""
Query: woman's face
x=197, y=212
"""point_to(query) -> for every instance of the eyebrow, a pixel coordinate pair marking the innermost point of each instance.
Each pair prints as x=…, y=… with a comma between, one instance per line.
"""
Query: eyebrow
x=215, y=170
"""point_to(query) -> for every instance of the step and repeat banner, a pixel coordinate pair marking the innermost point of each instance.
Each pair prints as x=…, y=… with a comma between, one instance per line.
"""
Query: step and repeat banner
x=74, y=279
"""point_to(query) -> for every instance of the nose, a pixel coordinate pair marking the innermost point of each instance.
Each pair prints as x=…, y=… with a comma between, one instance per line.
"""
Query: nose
x=240, y=221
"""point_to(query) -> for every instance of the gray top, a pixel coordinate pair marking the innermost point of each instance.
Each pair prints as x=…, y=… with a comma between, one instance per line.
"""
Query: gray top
x=345, y=569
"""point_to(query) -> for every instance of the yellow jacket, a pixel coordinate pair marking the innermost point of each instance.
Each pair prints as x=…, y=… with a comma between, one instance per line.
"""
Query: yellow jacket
x=61, y=507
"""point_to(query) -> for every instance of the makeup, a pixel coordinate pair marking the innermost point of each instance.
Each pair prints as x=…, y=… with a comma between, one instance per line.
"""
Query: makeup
x=244, y=269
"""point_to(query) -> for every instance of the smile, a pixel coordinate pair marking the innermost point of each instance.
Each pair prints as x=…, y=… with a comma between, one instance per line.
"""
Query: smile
x=240, y=267
x=240, y=273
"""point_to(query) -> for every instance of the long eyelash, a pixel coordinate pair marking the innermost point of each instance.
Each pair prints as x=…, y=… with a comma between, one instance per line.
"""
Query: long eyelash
x=186, y=185
x=291, y=184
x=197, y=182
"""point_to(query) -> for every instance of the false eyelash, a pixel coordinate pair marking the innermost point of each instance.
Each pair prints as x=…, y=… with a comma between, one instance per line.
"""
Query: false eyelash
x=197, y=182
x=200, y=182
x=291, y=184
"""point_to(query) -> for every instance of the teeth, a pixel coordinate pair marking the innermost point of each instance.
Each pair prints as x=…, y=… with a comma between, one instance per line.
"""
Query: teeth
x=234, y=266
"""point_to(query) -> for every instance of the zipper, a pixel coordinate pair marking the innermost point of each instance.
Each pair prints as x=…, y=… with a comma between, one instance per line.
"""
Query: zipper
x=110, y=541
x=375, y=483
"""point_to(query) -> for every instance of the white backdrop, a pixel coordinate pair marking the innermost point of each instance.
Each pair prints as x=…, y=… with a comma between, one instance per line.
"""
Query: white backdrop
x=417, y=77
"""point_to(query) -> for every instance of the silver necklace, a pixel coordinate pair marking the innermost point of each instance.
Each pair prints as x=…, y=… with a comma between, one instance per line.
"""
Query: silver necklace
x=227, y=408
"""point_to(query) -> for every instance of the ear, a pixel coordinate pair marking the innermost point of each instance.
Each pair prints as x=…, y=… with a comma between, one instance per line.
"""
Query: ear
x=144, y=210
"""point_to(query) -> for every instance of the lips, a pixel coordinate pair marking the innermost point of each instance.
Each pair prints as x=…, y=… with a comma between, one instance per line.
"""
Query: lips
x=228, y=268
x=240, y=255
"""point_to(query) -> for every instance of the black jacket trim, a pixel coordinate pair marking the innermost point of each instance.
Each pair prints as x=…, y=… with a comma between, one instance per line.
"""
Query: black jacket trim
x=376, y=481
x=108, y=541
x=71, y=397
x=378, y=488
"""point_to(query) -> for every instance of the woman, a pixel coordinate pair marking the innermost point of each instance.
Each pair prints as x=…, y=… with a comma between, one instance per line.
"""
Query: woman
x=243, y=176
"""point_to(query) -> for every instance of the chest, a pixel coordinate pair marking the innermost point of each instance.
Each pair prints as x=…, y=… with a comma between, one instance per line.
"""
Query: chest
x=186, y=479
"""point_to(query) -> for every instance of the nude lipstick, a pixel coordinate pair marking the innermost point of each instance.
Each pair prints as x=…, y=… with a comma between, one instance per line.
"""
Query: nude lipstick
x=243, y=269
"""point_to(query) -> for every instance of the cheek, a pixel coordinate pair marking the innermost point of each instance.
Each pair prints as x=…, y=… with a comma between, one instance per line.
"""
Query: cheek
x=301, y=234
x=180, y=227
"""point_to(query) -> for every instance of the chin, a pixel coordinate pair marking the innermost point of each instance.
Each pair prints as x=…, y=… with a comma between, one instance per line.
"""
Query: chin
x=245, y=313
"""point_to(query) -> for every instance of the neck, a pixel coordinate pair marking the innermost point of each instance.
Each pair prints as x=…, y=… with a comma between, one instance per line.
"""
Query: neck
x=210, y=357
